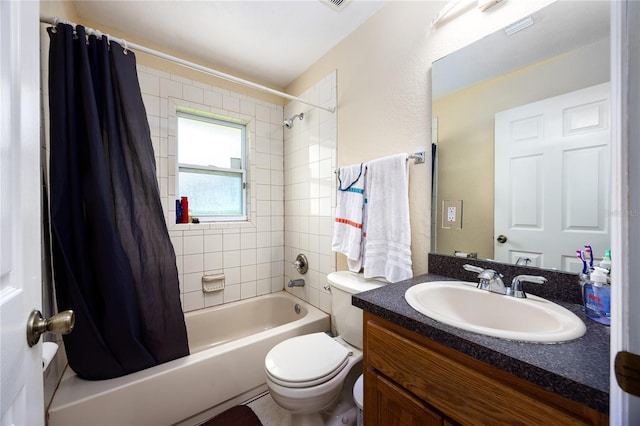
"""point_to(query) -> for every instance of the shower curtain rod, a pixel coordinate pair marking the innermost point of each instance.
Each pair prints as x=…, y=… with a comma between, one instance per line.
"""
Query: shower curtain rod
x=128, y=45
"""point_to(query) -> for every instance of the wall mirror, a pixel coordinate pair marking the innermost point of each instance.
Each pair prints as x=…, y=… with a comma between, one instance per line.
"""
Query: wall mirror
x=522, y=119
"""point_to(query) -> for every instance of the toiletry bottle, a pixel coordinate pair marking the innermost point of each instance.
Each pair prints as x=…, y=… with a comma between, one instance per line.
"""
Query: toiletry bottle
x=184, y=204
x=605, y=263
x=597, y=297
x=178, y=211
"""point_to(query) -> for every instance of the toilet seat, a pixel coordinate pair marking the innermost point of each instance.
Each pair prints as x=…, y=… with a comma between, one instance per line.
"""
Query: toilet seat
x=306, y=360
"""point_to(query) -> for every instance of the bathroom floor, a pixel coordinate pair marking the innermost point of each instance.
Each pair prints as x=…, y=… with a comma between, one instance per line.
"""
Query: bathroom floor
x=269, y=413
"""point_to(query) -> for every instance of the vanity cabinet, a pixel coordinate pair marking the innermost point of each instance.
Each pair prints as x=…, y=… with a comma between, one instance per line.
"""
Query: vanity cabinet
x=413, y=380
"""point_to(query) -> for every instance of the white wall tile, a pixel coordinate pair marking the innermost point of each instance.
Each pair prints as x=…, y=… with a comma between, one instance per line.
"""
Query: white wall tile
x=170, y=89
x=255, y=256
x=193, y=301
x=213, y=299
x=192, y=93
x=230, y=241
x=192, y=282
x=213, y=261
x=231, y=258
x=231, y=293
x=193, y=263
x=248, y=257
x=213, y=99
x=248, y=240
x=248, y=289
x=264, y=286
x=212, y=243
x=263, y=255
x=230, y=103
x=248, y=273
x=193, y=244
x=149, y=83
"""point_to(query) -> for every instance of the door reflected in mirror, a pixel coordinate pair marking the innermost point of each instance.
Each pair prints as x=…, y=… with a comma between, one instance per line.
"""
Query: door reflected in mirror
x=523, y=135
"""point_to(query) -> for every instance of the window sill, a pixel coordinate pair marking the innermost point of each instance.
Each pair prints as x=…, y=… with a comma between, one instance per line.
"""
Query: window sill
x=211, y=225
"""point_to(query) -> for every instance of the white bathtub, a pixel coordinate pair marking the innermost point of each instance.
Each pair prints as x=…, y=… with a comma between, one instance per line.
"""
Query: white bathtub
x=228, y=344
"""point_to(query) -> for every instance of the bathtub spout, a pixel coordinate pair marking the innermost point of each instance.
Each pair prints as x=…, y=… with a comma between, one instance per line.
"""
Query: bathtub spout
x=296, y=283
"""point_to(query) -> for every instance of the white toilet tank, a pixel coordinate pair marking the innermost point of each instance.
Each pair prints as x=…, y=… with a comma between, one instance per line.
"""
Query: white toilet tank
x=346, y=317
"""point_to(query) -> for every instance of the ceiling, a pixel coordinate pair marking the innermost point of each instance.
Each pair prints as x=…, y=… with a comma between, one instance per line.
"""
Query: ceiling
x=271, y=42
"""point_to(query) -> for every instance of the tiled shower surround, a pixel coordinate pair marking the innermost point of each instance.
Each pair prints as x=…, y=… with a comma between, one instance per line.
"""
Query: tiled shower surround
x=251, y=254
x=310, y=191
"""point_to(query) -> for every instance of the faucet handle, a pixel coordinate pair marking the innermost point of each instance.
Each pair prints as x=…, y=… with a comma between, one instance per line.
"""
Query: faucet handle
x=492, y=281
x=301, y=264
x=472, y=268
x=516, y=285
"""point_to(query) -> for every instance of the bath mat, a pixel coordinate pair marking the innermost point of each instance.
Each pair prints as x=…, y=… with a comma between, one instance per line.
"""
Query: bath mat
x=240, y=415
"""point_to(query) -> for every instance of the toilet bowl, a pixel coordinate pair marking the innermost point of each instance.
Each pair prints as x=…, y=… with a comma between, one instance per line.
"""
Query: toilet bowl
x=312, y=376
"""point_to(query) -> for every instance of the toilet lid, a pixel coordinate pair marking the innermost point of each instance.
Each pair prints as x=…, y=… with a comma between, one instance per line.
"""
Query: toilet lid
x=306, y=360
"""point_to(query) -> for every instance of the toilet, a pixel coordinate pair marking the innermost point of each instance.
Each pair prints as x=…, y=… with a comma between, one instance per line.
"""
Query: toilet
x=312, y=376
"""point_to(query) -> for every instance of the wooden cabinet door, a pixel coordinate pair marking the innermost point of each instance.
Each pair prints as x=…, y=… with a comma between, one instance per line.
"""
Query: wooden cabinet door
x=396, y=407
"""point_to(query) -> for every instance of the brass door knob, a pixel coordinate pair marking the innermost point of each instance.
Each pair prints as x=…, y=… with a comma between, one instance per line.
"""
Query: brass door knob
x=61, y=323
x=627, y=369
x=501, y=239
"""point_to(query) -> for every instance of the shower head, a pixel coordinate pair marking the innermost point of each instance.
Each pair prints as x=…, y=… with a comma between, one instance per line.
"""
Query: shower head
x=288, y=122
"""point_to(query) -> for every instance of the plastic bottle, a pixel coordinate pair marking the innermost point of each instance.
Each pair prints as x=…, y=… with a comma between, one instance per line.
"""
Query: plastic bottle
x=178, y=211
x=184, y=204
x=597, y=297
x=606, y=261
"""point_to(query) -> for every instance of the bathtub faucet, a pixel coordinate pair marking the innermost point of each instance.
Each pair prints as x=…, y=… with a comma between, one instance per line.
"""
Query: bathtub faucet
x=296, y=283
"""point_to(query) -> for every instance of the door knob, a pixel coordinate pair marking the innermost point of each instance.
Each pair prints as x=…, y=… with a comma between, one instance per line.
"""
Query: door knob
x=501, y=239
x=627, y=369
x=61, y=323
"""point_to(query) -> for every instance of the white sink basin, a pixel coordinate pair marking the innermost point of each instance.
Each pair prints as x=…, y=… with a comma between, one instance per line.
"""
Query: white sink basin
x=462, y=305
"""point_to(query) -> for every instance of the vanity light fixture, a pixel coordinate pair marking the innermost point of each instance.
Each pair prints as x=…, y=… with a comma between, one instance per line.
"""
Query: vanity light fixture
x=449, y=8
x=485, y=5
x=519, y=26
x=460, y=7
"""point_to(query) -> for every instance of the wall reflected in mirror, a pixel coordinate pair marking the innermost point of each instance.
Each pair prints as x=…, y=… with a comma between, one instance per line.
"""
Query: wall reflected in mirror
x=545, y=194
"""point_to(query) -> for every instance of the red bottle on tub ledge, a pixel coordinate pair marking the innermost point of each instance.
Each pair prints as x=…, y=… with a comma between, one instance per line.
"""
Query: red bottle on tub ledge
x=184, y=204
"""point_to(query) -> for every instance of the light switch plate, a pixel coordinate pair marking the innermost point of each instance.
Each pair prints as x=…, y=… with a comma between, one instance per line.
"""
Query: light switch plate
x=452, y=214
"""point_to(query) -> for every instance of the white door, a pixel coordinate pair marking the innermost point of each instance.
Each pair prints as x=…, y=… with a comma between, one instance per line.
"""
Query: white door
x=625, y=294
x=552, y=179
x=21, y=393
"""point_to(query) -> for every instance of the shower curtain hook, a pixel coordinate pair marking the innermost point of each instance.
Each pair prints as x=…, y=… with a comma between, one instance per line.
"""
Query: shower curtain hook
x=126, y=48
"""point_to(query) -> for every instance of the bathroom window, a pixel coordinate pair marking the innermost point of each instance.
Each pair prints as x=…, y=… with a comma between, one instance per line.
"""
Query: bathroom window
x=212, y=167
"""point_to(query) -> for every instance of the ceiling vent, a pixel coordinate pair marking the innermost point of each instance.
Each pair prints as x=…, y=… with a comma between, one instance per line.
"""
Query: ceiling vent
x=336, y=5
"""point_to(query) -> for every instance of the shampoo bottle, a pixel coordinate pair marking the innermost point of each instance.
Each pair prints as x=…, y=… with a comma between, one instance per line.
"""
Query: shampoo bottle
x=184, y=204
x=178, y=211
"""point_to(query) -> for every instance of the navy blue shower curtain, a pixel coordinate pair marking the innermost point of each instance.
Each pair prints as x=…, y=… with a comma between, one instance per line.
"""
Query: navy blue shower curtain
x=113, y=261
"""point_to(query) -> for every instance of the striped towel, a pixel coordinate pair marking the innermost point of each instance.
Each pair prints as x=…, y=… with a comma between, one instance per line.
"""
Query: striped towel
x=347, y=231
x=388, y=242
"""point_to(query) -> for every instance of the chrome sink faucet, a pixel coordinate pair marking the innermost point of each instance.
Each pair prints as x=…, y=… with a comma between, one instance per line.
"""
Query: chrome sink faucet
x=491, y=280
x=516, y=285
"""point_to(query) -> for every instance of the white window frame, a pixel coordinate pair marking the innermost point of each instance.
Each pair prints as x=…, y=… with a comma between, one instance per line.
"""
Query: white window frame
x=224, y=121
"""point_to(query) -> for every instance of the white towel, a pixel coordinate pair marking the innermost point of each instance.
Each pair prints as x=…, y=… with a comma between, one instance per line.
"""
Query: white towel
x=347, y=231
x=387, y=251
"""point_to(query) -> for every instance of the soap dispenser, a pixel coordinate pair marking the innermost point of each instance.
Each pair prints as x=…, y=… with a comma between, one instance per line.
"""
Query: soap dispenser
x=597, y=297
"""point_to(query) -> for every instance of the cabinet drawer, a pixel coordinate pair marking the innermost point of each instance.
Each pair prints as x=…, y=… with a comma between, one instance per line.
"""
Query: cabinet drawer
x=463, y=388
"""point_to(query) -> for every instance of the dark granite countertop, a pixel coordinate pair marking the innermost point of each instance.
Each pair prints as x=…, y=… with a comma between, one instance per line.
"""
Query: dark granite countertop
x=578, y=370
